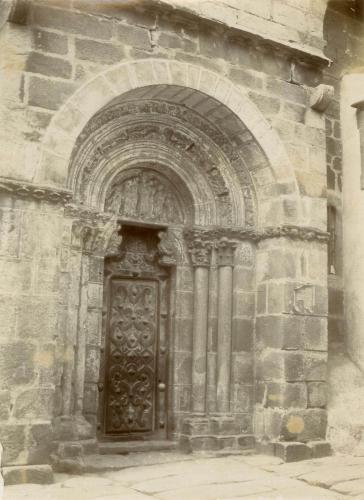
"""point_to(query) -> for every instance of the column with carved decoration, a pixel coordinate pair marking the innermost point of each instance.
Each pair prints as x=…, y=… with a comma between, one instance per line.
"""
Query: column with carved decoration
x=200, y=253
x=225, y=255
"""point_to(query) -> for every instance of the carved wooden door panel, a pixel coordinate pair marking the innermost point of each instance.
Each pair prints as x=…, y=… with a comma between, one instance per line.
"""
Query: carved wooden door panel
x=133, y=384
x=132, y=345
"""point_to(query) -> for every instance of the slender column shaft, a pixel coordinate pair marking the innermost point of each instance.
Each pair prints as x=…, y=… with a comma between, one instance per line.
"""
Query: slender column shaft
x=199, y=349
x=225, y=252
x=361, y=132
x=224, y=325
x=81, y=338
x=200, y=253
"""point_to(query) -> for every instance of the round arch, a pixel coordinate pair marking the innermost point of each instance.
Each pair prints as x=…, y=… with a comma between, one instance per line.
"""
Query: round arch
x=69, y=121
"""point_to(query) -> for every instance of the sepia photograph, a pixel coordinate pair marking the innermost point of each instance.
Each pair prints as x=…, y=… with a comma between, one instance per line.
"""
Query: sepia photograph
x=181, y=258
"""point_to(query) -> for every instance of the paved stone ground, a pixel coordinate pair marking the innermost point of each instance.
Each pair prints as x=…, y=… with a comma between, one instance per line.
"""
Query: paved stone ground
x=209, y=478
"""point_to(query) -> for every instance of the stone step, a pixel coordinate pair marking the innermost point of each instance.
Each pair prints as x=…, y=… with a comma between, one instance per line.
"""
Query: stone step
x=124, y=448
x=108, y=463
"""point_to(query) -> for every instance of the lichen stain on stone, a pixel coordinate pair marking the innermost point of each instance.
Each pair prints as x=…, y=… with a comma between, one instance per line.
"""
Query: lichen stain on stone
x=295, y=425
x=45, y=359
x=273, y=397
x=69, y=354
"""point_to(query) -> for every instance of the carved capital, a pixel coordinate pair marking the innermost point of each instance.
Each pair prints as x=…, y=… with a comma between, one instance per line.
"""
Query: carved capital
x=321, y=97
x=96, y=238
x=200, y=252
x=225, y=252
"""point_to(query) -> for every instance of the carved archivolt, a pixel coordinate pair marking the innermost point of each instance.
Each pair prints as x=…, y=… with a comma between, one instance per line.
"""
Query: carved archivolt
x=191, y=139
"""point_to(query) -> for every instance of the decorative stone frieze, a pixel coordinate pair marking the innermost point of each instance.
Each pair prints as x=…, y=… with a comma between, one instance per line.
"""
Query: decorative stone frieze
x=321, y=97
x=243, y=234
x=32, y=191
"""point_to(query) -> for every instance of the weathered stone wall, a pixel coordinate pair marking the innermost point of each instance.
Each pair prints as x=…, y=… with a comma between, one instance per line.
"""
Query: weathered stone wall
x=54, y=53
x=30, y=252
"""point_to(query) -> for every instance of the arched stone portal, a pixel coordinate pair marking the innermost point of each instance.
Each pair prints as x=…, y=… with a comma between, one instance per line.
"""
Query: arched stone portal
x=167, y=165
x=173, y=179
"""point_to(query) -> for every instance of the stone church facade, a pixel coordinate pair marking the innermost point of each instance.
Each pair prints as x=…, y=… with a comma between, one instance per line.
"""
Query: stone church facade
x=166, y=169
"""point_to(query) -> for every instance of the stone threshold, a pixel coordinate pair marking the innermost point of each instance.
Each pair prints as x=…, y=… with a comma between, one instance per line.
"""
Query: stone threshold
x=126, y=447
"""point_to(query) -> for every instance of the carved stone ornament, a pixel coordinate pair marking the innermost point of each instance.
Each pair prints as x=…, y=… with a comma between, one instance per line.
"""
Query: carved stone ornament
x=200, y=252
x=246, y=234
x=321, y=97
x=191, y=138
x=225, y=252
x=96, y=238
x=146, y=195
x=167, y=249
x=303, y=299
x=113, y=245
x=39, y=193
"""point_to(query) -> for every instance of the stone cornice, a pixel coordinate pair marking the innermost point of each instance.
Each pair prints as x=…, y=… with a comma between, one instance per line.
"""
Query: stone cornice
x=230, y=26
x=241, y=234
x=34, y=192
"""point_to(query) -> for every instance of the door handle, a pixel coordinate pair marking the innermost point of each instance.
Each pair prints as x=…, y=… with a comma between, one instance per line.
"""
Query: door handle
x=161, y=386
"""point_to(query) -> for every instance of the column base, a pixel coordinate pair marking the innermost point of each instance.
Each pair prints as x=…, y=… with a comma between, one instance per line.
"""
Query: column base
x=74, y=438
x=20, y=474
x=294, y=451
x=213, y=433
x=72, y=428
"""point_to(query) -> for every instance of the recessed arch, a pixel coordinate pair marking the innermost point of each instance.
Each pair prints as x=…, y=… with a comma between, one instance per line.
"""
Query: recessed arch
x=275, y=177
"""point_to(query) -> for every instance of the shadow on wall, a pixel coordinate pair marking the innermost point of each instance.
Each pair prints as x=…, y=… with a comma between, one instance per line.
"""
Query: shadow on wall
x=345, y=429
x=1, y=477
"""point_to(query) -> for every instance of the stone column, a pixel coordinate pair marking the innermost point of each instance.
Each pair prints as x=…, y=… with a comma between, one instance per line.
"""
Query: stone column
x=6, y=7
x=360, y=116
x=200, y=256
x=225, y=253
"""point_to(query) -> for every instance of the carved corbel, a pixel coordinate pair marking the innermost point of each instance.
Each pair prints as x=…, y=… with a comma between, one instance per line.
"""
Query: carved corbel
x=113, y=239
x=167, y=249
x=321, y=97
x=225, y=252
